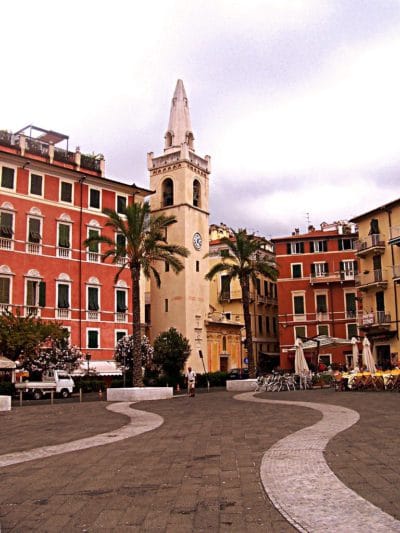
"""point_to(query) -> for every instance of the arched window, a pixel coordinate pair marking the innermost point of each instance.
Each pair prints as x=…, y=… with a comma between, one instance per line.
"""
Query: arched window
x=189, y=139
x=168, y=139
x=224, y=343
x=168, y=192
x=196, y=193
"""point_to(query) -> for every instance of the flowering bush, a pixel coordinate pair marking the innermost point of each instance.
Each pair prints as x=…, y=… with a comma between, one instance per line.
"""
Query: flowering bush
x=124, y=352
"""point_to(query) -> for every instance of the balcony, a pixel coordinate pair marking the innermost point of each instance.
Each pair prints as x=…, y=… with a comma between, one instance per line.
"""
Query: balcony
x=4, y=308
x=396, y=273
x=374, y=319
x=33, y=146
x=33, y=248
x=374, y=279
x=6, y=244
x=92, y=315
x=93, y=257
x=394, y=235
x=261, y=299
x=63, y=313
x=121, y=317
x=64, y=253
x=32, y=310
x=372, y=244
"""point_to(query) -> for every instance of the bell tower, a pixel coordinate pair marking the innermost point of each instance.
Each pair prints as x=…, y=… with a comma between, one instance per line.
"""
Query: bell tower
x=180, y=179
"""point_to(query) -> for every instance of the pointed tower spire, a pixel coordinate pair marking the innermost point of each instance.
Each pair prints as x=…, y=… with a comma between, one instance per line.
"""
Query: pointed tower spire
x=179, y=126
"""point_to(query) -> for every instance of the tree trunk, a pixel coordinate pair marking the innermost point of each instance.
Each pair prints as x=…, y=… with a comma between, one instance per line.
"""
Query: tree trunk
x=245, y=285
x=137, y=356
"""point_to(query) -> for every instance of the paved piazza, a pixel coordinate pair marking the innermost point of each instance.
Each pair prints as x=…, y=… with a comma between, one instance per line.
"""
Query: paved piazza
x=205, y=467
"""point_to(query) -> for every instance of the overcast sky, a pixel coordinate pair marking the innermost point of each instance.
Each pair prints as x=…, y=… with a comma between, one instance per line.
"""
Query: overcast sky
x=296, y=101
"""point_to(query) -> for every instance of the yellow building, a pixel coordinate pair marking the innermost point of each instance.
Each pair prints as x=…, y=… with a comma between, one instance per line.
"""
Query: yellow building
x=378, y=253
x=226, y=301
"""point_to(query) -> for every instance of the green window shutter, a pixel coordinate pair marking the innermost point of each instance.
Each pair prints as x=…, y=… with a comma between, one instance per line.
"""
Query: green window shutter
x=36, y=184
x=121, y=302
x=94, y=246
x=42, y=294
x=298, y=305
x=63, y=296
x=288, y=248
x=311, y=247
x=6, y=223
x=7, y=177
x=63, y=236
x=321, y=303
x=93, y=299
x=34, y=230
x=4, y=290
x=93, y=339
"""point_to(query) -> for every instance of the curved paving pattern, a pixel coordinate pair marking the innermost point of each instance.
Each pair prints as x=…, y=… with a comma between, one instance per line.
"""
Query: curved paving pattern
x=140, y=422
x=304, y=489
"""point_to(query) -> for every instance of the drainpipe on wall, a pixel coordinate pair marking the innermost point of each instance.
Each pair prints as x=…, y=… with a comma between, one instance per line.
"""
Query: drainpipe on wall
x=81, y=180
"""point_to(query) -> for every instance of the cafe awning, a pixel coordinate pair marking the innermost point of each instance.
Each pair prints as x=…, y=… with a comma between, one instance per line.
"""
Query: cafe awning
x=7, y=364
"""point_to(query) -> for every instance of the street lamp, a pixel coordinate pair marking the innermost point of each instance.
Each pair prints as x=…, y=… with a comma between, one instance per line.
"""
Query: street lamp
x=88, y=358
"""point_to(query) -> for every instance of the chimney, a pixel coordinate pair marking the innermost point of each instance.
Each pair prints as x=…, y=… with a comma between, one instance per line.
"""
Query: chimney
x=311, y=228
x=296, y=231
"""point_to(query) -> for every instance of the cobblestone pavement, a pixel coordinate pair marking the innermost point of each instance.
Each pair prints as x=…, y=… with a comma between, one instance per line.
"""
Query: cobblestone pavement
x=197, y=472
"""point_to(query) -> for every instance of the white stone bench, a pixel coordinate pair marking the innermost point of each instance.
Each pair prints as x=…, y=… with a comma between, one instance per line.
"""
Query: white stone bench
x=139, y=394
x=241, y=385
x=5, y=403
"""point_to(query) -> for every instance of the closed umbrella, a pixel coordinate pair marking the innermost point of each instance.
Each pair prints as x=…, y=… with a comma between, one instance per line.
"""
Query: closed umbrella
x=367, y=358
x=355, y=352
x=300, y=363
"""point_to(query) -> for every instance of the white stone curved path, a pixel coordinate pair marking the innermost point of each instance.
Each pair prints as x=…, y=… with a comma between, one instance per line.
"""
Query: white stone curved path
x=140, y=422
x=304, y=489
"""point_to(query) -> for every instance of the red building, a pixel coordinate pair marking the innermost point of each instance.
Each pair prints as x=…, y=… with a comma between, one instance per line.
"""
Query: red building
x=316, y=290
x=51, y=200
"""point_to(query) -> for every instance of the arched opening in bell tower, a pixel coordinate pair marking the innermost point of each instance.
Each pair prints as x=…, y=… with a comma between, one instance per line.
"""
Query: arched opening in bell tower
x=196, y=193
x=167, y=192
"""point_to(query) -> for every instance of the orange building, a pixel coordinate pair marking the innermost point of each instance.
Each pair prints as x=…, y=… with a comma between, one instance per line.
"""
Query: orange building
x=316, y=290
x=51, y=200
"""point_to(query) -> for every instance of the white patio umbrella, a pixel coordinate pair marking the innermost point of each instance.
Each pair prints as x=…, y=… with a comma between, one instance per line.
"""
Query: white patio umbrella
x=300, y=363
x=367, y=358
x=355, y=352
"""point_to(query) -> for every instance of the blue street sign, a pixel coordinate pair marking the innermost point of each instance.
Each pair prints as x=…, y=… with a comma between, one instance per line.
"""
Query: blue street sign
x=246, y=360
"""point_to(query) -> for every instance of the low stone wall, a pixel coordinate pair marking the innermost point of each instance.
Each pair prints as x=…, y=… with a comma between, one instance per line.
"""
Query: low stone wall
x=5, y=403
x=139, y=394
x=242, y=385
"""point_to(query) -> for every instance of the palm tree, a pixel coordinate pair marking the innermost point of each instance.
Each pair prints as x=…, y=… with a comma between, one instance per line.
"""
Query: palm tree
x=140, y=242
x=245, y=259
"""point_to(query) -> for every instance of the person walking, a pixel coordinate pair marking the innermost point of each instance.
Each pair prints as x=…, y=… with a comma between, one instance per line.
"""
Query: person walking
x=191, y=381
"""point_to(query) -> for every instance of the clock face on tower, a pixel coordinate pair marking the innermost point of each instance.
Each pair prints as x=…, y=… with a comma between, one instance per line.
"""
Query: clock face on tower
x=197, y=241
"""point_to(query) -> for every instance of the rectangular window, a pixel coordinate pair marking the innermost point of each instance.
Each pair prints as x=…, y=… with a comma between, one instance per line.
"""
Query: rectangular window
x=31, y=293
x=197, y=266
x=297, y=270
x=350, y=304
x=121, y=204
x=319, y=270
x=34, y=230
x=121, y=301
x=63, y=296
x=93, y=298
x=318, y=246
x=94, y=198
x=260, y=324
x=265, y=288
x=36, y=186
x=352, y=330
x=274, y=325
x=267, y=324
x=323, y=329
x=166, y=266
x=66, y=192
x=119, y=335
x=6, y=225
x=224, y=253
x=299, y=332
x=295, y=248
x=325, y=359
x=121, y=243
x=7, y=178
x=93, y=246
x=298, y=304
x=321, y=303
x=225, y=287
x=93, y=338
x=5, y=290
x=64, y=239
x=258, y=286
x=346, y=244
x=166, y=305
